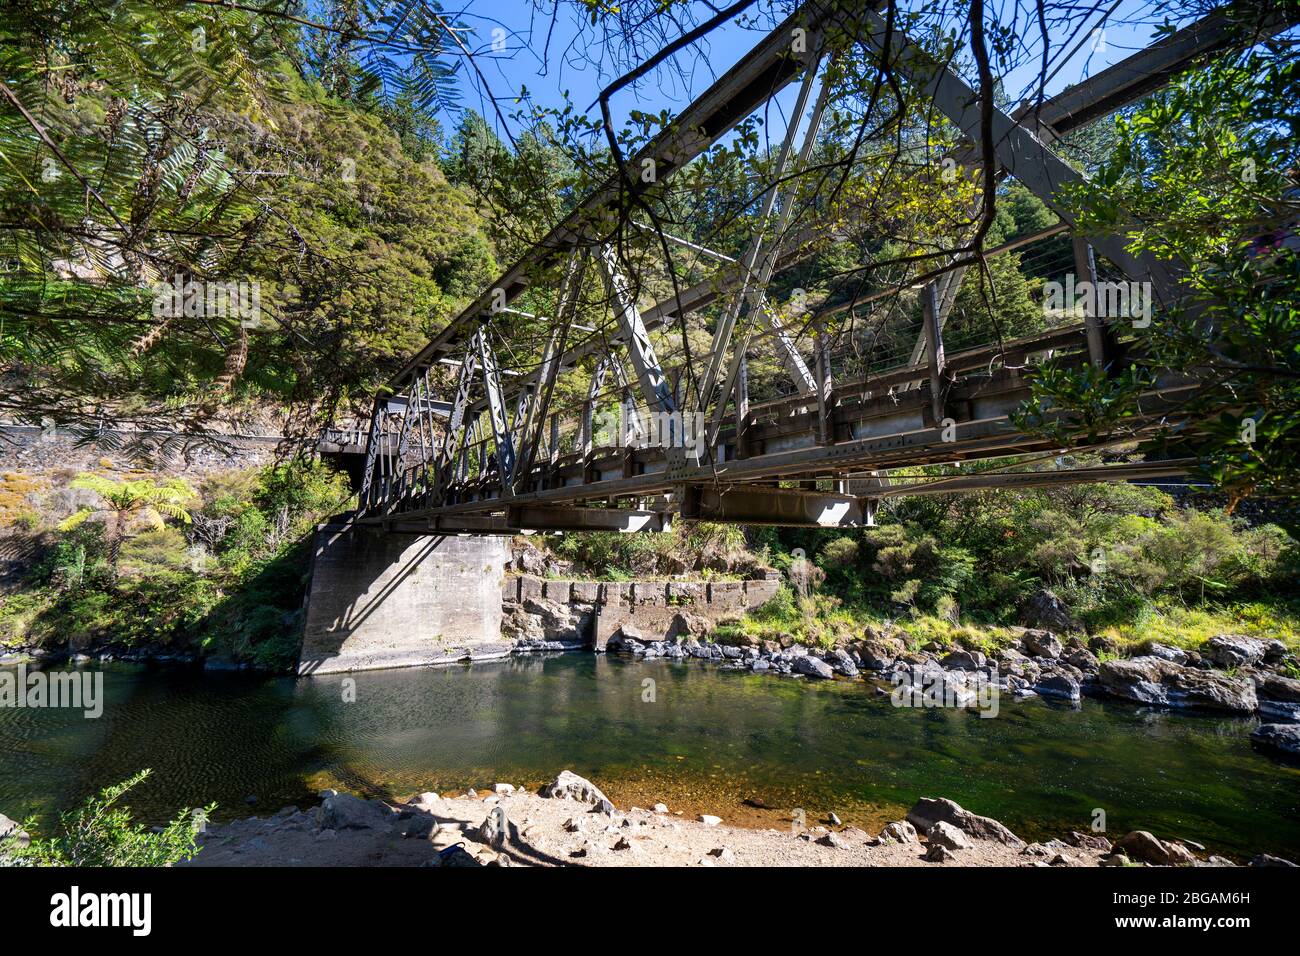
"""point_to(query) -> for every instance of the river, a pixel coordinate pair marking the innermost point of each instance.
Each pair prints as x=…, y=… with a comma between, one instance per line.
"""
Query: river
x=696, y=736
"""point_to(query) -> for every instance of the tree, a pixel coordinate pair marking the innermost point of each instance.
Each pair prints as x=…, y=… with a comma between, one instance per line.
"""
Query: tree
x=126, y=499
x=1210, y=171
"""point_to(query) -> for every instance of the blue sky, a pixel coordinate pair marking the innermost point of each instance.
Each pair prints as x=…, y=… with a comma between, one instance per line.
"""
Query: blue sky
x=524, y=32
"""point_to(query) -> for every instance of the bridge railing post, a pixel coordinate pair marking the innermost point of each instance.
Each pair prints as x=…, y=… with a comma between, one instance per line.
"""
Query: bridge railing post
x=742, y=407
x=1085, y=269
x=825, y=386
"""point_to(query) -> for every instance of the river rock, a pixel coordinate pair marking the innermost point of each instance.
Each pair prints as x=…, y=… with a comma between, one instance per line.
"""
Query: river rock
x=1283, y=738
x=10, y=829
x=346, y=812
x=963, y=660
x=1174, y=655
x=811, y=666
x=878, y=653
x=569, y=786
x=1279, y=712
x=833, y=840
x=1058, y=686
x=1234, y=650
x=1144, y=846
x=1150, y=680
x=928, y=811
x=938, y=853
x=945, y=834
x=622, y=641
x=709, y=820
x=1084, y=659
x=1271, y=686
x=900, y=831
x=1088, y=841
x=1045, y=609
x=1266, y=859
x=842, y=663
x=421, y=826
x=1041, y=644
x=493, y=829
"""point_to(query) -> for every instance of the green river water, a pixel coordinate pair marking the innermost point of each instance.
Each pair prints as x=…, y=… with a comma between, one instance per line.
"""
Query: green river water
x=710, y=740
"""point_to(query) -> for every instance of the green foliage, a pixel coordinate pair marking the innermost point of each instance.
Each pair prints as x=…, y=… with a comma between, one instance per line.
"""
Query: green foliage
x=101, y=833
x=1121, y=556
x=233, y=587
x=1204, y=175
x=702, y=547
x=1096, y=404
x=182, y=141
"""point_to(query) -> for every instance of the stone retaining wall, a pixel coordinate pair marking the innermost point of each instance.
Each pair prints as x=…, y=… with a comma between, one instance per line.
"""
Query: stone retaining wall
x=588, y=613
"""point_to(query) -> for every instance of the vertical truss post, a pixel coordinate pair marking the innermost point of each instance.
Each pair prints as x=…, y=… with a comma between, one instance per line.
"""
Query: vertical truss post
x=597, y=383
x=629, y=432
x=948, y=284
x=825, y=387
x=427, y=448
x=588, y=422
x=742, y=407
x=934, y=347
x=1085, y=268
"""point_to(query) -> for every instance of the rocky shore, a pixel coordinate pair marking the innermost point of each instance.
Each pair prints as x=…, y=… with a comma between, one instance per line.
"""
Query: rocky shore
x=570, y=822
x=1229, y=674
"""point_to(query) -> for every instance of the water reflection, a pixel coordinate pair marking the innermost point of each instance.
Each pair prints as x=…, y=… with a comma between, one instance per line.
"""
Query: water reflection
x=709, y=739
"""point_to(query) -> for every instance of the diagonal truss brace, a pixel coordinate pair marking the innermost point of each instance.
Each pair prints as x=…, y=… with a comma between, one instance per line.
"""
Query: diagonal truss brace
x=603, y=367
x=570, y=287
x=454, y=437
x=654, y=384
x=372, y=457
x=497, y=416
x=753, y=284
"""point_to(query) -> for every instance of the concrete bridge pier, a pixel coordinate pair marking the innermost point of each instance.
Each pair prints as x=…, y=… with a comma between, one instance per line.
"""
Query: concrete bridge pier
x=389, y=599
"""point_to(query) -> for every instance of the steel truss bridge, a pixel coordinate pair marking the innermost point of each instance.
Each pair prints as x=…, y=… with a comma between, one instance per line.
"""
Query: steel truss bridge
x=496, y=453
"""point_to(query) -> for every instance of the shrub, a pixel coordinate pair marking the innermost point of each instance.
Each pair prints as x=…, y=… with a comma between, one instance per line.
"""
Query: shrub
x=100, y=833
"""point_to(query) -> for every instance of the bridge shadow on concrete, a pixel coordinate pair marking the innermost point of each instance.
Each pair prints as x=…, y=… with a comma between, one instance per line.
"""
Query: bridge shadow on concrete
x=320, y=641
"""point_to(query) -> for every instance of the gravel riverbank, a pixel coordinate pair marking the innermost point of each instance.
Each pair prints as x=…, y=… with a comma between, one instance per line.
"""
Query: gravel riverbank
x=570, y=822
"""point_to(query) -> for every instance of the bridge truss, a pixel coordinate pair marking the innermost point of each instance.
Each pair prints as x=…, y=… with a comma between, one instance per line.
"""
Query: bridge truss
x=470, y=437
